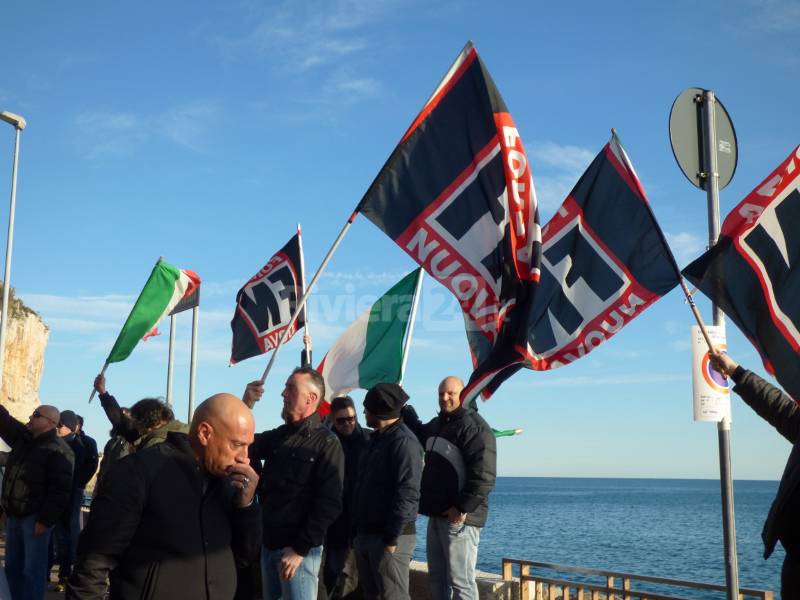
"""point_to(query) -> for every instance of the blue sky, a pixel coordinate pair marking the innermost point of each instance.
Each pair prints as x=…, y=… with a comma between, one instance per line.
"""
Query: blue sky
x=204, y=132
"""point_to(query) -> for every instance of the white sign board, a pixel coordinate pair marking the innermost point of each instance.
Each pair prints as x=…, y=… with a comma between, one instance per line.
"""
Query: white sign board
x=712, y=394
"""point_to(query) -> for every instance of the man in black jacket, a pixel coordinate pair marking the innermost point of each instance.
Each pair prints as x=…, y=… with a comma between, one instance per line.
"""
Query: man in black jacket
x=386, y=497
x=36, y=490
x=460, y=467
x=301, y=487
x=172, y=521
x=339, y=571
x=92, y=456
x=780, y=411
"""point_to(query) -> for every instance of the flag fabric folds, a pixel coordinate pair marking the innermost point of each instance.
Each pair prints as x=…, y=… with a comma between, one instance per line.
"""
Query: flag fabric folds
x=457, y=195
x=164, y=290
x=753, y=272
x=265, y=304
x=370, y=350
x=604, y=260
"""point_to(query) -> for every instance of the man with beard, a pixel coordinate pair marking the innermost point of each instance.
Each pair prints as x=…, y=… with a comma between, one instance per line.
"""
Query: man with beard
x=340, y=576
x=301, y=487
x=460, y=467
x=386, y=497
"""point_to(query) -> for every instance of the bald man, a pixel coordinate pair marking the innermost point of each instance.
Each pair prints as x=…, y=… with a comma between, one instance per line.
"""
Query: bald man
x=459, y=474
x=174, y=520
x=36, y=491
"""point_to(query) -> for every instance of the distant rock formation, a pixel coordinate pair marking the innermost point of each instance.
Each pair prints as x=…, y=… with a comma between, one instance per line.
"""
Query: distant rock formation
x=26, y=339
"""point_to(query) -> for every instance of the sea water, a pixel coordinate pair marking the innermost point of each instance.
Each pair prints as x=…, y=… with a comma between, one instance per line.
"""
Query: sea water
x=661, y=527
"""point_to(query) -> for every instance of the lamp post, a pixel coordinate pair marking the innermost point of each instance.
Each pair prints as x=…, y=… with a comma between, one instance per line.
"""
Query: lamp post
x=19, y=124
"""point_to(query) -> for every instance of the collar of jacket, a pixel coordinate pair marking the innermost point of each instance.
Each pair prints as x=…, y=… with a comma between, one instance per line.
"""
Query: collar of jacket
x=305, y=426
x=47, y=436
x=453, y=416
x=388, y=430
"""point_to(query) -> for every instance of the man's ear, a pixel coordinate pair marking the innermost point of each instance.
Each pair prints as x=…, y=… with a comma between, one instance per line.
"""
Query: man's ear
x=313, y=397
x=204, y=433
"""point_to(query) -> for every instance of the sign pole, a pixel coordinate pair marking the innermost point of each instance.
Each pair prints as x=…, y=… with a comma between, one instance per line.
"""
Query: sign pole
x=171, y=358
x=711, y=179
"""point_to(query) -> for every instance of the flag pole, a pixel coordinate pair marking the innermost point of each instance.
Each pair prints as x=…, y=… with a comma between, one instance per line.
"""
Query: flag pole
x=411, y=320
x=305, y=355
x=193, y=360
x=307, y=292
x=171, y=358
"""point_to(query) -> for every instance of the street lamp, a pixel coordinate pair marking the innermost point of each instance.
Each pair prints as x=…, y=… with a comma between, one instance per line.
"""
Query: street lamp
x=19, y=124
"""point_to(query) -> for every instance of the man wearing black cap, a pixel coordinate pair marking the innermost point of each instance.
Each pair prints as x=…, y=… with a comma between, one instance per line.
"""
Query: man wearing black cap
x=386, y=497
x=67, y=529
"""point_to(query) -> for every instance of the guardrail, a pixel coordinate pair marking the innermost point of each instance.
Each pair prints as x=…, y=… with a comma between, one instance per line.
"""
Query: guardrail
x=535, y=585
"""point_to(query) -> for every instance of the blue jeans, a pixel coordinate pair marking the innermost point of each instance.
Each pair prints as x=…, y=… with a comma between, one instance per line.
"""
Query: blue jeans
x=26, y=558
x=303, y=586
x=66, y=535
x=452, y=554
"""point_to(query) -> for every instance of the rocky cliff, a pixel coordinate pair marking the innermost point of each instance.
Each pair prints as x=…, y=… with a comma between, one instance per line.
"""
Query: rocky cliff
x=26, y=339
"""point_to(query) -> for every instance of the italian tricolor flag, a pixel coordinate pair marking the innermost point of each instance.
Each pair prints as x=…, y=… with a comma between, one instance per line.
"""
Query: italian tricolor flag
x=166, y=287
x=370, y=350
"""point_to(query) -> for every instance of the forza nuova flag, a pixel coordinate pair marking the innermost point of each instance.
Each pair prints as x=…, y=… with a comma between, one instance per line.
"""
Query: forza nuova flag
x=164, y=290
x=457, y=195
x=265, y=304
x=370, y=350
x=753, y=272
x=604, y=261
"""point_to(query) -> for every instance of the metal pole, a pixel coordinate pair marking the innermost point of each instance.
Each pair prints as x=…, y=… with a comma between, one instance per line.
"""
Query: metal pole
x=724, y=426
x=307, y=293
x=411, y=320
x=193, y=361
x=305, y=355
x=19, y=125
x=171, y=358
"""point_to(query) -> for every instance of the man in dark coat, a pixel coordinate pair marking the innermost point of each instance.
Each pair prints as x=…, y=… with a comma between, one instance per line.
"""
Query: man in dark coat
x=92, y=456
x=386, y=497
x=172, y=521
x=301, y=488
x=340, y=575
x=780, y=411
x=36, y=491
x=460, y=467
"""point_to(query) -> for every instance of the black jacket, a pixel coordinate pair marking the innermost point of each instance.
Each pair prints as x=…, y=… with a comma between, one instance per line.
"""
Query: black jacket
x=165, y=530
x=38, y=477
x=91, y=459
x=353, y=446
x=780, y=411
x=79, y=454
x=460, y=463
x=387, y=490
x=301, y=483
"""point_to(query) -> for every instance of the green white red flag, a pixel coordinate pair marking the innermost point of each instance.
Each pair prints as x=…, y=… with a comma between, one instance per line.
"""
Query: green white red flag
x=164, y=290
x=370, y=350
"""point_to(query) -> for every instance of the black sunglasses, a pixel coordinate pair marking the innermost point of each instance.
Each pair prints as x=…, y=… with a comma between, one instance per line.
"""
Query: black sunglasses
x=343, y=420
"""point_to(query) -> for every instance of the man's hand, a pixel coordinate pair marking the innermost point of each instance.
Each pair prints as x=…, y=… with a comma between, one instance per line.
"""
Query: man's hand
x=289, y=563
x=245, y=480
x=100, y=384
x=455, y=516
x=391, y=549
x=253, y=393
x=722, y=363
x=39, y=529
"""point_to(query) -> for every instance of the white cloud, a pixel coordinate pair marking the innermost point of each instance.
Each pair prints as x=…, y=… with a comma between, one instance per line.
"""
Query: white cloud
x=111, y=306
x=188, y=124
x=556, y=169
x=775, y=16
x=638, y=379
x=685, y=246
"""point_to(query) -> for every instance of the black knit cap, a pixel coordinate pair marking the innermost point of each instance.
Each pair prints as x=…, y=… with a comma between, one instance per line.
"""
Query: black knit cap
x=385, y=400
x=69, y=420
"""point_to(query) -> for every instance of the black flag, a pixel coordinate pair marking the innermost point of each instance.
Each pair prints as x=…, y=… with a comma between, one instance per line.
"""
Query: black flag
x=265, y=304
x=753, y=272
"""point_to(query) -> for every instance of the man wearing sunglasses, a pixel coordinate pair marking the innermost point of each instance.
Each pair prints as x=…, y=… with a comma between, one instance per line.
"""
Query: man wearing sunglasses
x=340, y=574
x=36, y=491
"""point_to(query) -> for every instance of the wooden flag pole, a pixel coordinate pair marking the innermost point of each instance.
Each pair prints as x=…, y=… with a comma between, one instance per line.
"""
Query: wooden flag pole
x=307, y=292
x=411, y=320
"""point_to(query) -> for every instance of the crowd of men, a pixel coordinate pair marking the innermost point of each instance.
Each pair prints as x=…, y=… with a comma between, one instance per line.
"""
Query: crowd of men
x=315, y=508
x=325, y=507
